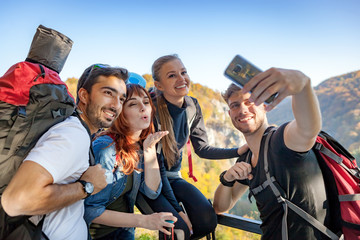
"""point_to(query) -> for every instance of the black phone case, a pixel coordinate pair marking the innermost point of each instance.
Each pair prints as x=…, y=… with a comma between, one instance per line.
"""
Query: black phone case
x=240, y=71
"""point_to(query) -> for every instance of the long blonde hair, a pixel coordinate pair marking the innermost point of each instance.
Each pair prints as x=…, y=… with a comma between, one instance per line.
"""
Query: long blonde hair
x=169, y=143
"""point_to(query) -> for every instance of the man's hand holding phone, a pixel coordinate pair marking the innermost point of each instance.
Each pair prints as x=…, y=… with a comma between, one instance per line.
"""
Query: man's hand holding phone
x=241, y=71
x=283, y=82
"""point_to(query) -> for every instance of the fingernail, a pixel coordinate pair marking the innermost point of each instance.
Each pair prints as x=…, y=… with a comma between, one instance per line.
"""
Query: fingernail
x=191, y=232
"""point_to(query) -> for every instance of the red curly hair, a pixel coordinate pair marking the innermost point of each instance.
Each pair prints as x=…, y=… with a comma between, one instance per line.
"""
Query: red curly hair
x=126, y=149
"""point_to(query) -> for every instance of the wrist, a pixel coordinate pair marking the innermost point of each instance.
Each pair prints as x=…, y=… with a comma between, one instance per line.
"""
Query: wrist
x=81, y=187
x=224, y=181
x=149, y=153
x=87, y=188
x=142, y=219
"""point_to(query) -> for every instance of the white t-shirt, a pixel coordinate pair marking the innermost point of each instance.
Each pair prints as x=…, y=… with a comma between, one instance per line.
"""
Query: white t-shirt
x=64, y=152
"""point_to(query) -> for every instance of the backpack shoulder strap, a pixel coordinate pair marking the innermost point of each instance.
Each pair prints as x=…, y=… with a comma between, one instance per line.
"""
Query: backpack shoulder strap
x=190, y=117
x=190, y=110
x=91, y=152
x=336, y=145
x=319, y=146
x=287, y=204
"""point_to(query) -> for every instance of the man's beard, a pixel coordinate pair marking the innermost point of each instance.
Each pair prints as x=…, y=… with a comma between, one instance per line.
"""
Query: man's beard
x=93, y=113
x=247, y=131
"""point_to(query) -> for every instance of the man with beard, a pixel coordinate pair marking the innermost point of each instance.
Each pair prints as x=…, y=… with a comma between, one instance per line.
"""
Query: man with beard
x=290, y=159
x=55, y=176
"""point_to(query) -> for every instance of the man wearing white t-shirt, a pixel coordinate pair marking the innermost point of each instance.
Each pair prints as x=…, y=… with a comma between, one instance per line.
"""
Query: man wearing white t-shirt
x=55, y=176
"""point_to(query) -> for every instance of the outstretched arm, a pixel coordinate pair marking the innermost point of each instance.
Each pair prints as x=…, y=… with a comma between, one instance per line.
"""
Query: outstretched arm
x=301, y=133
x=200, y=142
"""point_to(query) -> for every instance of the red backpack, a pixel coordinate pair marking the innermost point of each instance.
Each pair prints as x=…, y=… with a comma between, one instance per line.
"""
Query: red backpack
x=342, y=178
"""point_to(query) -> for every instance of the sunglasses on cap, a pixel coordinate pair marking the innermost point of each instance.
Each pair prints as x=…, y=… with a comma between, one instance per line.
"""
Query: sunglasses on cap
x=93, y=68
x=101, y=66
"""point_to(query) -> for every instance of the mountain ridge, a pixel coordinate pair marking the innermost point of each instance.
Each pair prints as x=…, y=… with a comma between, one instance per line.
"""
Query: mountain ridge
x=340, y=108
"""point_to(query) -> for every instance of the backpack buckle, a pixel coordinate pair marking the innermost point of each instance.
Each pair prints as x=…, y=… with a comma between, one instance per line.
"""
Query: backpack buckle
x=57, y=113
x=318, y=146
x=21, y=111
x=280, y=199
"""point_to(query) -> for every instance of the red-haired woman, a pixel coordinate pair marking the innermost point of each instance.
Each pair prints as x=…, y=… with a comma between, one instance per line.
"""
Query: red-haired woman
x=127, y=152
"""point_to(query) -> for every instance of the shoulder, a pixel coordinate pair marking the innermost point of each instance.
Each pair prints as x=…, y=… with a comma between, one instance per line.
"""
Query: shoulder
x=278, y=146
x=102, y=143
x=67, y=132
x=103, y=139
x=63, y=149
x=279, y=131
x=191, y=100
x=192, y=105
x=70, y=124
x=277, y=137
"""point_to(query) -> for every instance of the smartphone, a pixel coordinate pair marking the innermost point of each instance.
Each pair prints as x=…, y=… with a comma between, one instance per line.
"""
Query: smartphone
x=171, y=230
x=241, y=71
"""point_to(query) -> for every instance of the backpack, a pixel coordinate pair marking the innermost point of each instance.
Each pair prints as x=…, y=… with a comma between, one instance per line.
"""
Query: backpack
x=342, y=179
x=32, y=99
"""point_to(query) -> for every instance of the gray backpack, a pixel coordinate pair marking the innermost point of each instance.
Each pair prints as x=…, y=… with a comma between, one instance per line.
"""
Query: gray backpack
x=33, y=98
x=29, y=106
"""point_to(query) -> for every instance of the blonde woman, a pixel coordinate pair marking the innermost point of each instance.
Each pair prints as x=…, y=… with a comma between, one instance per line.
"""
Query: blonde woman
x=172, y=82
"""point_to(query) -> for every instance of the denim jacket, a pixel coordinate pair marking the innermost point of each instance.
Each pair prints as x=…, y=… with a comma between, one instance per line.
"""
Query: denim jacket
x=105, y=154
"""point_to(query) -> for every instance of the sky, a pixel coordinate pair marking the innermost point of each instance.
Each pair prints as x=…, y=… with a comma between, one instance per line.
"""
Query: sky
x=319, y=38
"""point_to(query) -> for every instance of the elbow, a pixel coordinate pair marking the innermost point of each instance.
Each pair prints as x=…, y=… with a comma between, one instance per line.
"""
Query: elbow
x=151, y=193
x=13, y=203
x=7, y=206
x=22, y=202
x=218, y=209
x=153, y=197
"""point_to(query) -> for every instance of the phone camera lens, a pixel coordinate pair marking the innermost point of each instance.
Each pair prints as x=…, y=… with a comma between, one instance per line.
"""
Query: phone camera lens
x=237, y=69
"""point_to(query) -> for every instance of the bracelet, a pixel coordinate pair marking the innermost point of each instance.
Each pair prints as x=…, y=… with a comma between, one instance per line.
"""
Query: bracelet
x=224, y=182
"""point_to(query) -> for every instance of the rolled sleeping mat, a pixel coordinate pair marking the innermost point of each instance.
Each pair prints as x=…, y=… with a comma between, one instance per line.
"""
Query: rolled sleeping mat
x=50, y=48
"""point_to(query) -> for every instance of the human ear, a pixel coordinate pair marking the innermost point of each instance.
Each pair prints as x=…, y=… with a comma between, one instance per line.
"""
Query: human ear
x=158, y=85
x=83, y=95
